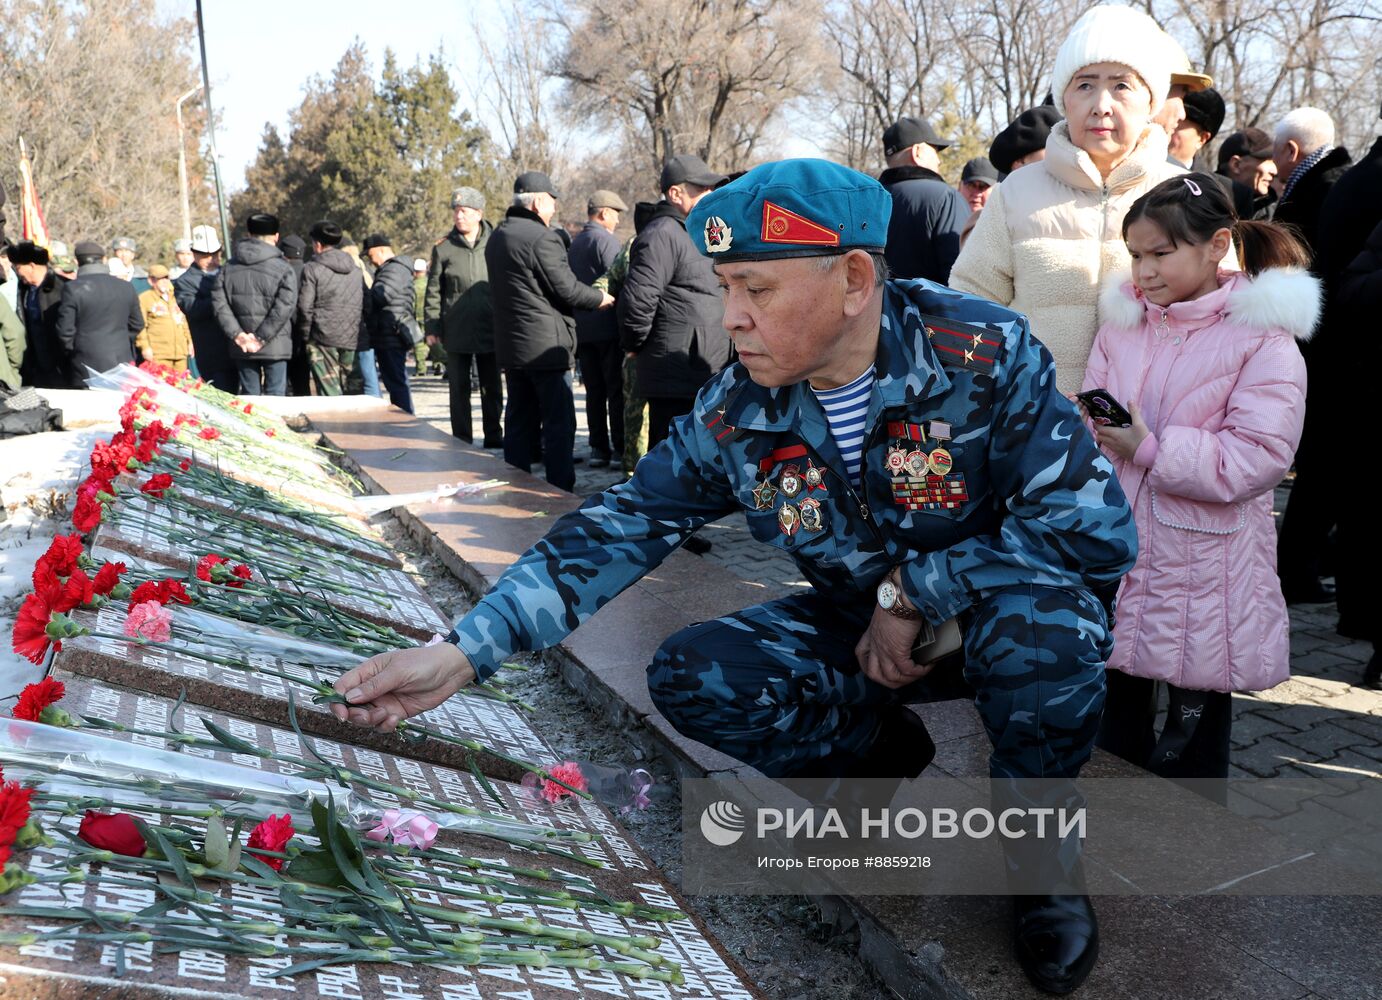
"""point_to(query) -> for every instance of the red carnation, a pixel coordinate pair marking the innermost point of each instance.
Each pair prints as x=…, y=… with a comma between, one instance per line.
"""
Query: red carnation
x=62, y=555
x=185, y=464
x=36, y=697
x=249, y=407
x=213, y=568
x=272, y=835
x=156, y=485
x=14, y=814
x=112, y=832
x=30, y=633
x=107, y=577
x=87, y=514
x=209, y=434
x=162, y=591
x=243, y=572
x=76, y=592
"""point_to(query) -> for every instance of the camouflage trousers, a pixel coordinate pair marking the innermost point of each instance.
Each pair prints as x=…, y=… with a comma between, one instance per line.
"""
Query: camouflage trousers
x=777, y=685
x=331, y=366
x=635, y=418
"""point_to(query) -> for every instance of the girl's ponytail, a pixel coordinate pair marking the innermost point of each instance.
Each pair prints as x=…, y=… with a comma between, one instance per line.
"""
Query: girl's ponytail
x=1265, y=245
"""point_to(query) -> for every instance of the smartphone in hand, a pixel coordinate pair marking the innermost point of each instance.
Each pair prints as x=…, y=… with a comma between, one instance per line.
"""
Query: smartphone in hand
x=1104, y=409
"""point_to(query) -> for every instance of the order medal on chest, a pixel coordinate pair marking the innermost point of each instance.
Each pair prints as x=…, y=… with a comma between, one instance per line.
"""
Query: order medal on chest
x=791, y=491
x=918, y=465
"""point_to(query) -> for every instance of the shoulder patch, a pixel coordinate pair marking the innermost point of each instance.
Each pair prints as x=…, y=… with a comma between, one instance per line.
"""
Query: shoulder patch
x=715, y=425
x=963, y=345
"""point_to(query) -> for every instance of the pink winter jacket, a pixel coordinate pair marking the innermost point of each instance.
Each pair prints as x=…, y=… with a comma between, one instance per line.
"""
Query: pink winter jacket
x=1221, y=385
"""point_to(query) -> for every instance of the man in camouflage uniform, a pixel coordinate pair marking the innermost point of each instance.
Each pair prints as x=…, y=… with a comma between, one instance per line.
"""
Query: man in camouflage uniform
x=980, y=495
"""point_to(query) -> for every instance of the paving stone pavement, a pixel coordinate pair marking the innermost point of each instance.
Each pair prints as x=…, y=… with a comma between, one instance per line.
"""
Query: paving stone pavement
x=1316, y=724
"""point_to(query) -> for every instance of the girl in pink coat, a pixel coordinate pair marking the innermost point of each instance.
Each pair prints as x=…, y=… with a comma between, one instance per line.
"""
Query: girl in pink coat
x=1206, y=363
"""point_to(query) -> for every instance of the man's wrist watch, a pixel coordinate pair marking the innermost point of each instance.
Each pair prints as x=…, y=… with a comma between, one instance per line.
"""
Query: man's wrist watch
x=890, y=600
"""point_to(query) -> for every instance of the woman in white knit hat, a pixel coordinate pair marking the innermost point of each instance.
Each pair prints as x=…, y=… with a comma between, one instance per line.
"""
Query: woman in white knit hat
x=1050, y=233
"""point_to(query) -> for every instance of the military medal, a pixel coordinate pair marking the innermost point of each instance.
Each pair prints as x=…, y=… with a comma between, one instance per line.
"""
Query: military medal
x=788, y=519
x=940, y=461
x=811, y=515
x=813, y=477
x=790, y=481
x=916, y=462
x=939, y=429
x=896, y=461
x=763, y=495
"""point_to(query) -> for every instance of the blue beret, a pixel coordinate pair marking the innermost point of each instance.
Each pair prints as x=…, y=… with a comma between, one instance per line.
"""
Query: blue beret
x=792, y=208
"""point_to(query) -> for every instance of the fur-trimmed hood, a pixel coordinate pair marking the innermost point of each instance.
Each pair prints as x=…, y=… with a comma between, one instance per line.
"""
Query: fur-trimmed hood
x=1284, y=301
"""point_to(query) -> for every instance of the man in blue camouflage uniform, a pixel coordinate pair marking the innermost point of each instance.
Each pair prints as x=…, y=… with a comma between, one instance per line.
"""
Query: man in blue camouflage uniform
x=980, y=495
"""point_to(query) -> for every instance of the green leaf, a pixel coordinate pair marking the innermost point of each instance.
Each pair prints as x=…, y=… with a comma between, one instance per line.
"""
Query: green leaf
x=233, y=861
x=216, y=847
x=170, y=854
x=318, y=867
x=228, y=741
x=302, y=737
x=484, y=782
x=256, y=866
x=347, y=856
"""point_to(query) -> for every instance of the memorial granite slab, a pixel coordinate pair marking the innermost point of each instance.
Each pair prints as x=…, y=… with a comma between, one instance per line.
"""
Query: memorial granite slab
x=89, y=968
x=260, y=685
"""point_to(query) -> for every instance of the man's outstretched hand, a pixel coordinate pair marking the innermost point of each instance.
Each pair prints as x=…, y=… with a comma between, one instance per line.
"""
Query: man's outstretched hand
x=391, y=687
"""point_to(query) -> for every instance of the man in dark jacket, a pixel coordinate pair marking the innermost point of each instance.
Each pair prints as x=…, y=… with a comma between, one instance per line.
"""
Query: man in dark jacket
x=597, y=332
x=928, y=214
x=330, y=310
x=534, y=294
x=1350, y=261
x=40, y=294
x=98, y=317
x=1306, y=156
x=1240, y=155
x=390, y=317
x=671, y=313
x=255, y=296
x=192, y=288
x=457, y=315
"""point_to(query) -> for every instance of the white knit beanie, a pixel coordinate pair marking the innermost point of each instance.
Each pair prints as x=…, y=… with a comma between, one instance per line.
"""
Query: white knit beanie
x=1114, y=34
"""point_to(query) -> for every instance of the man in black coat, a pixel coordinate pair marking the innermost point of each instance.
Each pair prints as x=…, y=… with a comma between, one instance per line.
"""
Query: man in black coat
x=39, y=296
x=299, y=369
x=597, y=332
x=1306, y=156
x=1240, y=156
x=192, y=289
x=330, y=310
x=1350, y=261
x=255, y=296
x=928, y=214
x=99, y=316
x=533, y=295
x=671, y=311
x=392, y=317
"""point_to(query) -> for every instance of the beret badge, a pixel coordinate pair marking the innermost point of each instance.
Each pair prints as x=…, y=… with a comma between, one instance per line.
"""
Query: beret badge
x=717, y=235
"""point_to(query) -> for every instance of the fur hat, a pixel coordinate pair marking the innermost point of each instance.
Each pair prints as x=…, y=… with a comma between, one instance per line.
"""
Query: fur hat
x=1114, y=34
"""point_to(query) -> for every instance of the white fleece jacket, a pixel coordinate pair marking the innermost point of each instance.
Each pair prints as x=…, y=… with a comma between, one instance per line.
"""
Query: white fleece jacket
x=1050, y=233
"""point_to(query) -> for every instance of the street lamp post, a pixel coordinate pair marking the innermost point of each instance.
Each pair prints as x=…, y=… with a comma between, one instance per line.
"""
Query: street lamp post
x=182, y=164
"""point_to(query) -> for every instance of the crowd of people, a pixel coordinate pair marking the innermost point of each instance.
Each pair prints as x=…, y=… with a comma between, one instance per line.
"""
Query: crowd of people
x=916, y=445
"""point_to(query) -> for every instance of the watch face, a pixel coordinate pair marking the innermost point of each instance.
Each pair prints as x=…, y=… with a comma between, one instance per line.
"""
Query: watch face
x=887, y=595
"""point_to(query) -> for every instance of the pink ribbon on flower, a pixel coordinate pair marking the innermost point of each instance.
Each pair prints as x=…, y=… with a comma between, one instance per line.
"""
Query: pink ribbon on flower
x=406, y=829
x=642, y=783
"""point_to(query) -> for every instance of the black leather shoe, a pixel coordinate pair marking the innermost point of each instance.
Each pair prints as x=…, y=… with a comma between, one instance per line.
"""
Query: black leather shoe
x=1372, y=676
x=696, y=545
x=1309, y=592
x=598, y=461
x=1056, y=939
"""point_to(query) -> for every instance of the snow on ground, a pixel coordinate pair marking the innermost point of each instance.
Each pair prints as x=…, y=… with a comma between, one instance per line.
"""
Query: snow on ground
x=38, y=473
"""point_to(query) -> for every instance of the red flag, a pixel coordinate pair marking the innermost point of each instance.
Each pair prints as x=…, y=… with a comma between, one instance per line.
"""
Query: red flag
x=31, y=223
x=783, y=226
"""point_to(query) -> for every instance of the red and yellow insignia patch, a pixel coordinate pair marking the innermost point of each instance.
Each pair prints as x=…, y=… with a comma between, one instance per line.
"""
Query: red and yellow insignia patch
x=782, y=226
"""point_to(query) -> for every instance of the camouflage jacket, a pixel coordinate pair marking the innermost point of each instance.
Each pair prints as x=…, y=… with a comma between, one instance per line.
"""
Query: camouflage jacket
x=1027, y=498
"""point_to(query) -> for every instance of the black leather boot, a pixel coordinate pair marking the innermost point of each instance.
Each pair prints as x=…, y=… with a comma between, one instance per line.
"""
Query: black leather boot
x=1372, y=676
x=1056, y=939
x=902, y=749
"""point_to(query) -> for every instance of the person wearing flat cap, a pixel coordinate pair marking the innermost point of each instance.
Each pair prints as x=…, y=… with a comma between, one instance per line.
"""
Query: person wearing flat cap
x=99, y=316
x=457, y=315
x=928, y=214
x=669, y=306
x=255, y=296
x=165, y=339
x=592, y=251
x=906, y=445
x=1024, y=139
x=534, y=295
x=39, y=295
x=182, y=258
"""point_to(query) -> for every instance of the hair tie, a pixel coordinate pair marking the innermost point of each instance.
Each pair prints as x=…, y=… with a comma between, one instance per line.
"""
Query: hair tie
x=1194, y=188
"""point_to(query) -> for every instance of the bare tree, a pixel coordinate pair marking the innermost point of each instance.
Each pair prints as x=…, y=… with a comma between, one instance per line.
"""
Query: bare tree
x=91, y=88
x=702, y=76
